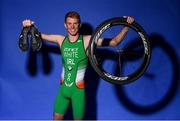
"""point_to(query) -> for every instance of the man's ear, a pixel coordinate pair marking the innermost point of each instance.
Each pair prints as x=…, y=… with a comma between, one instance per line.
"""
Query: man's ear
x=65, y=25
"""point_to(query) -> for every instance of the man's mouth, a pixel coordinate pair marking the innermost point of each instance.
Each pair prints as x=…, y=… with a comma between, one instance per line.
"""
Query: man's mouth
x=72, y=30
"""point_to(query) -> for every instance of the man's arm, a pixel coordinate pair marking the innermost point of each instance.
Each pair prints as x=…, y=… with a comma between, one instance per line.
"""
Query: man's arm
x=52, y=37
x=119, y=37
x=114, y=41
x=49, y=37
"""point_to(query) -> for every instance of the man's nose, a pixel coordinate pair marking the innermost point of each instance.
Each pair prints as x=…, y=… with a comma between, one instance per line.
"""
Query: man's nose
x=72, y=26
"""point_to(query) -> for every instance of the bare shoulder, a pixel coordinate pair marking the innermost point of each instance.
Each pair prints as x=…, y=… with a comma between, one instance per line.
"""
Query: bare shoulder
x=87, y=37
x=86, y=40
x=60, y=39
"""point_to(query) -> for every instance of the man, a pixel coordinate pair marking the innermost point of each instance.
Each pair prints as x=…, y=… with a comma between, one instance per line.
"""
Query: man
x=74, y=57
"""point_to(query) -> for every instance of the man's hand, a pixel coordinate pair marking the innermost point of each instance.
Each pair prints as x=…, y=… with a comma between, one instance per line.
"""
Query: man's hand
x=130, y=19
x=27, y=23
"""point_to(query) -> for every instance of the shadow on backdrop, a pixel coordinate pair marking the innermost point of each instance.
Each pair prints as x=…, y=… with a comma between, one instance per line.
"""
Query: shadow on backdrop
x=156, y=41
x=41, y=59
x=92, y=79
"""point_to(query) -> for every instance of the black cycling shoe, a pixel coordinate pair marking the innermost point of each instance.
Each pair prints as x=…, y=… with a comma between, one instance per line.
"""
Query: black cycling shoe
x=23, y=39
x=36, y=41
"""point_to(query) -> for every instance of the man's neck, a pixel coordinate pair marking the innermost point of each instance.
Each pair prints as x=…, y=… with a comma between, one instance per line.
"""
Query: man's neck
x=73, y=38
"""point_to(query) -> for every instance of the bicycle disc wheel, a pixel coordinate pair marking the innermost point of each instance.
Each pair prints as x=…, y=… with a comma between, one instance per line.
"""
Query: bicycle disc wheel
x=145, y=52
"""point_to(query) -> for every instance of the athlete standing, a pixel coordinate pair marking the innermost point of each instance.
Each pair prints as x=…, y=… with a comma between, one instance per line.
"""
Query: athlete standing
x=74, y=57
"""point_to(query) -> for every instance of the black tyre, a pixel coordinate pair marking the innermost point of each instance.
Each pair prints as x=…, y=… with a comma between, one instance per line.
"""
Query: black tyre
x=94, y=58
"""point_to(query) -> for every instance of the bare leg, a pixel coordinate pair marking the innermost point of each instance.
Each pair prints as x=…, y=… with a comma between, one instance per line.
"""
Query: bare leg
x=57, y=116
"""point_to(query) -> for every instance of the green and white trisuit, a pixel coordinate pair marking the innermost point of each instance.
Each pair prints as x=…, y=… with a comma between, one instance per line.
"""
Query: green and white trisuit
x=72, y=84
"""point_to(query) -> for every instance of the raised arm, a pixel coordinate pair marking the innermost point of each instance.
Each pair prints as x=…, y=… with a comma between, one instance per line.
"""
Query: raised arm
x=52, y=37
x=119, y=37
x=49, y=37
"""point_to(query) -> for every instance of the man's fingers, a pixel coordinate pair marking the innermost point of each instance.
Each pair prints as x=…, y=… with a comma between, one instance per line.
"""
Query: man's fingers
x=130, y=20
x=27, y=22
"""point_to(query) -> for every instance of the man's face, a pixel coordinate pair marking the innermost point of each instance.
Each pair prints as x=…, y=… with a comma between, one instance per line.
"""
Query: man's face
x=72, y=25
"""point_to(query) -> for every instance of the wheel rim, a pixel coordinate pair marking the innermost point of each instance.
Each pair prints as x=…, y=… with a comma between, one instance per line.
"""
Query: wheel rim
x=93, y=58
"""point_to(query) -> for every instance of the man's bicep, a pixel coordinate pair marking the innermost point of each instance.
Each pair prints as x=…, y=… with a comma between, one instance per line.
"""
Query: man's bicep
x=52, y=37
